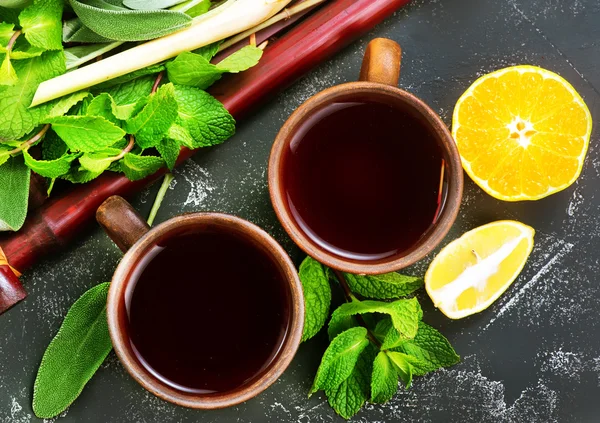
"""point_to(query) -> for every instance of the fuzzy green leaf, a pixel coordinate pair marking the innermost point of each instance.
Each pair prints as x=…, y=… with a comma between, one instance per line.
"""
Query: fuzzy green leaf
x=150, y=125
x=49, y=168
x=86, y=133
x=384, y=381
x=151, y=4
x=383, y=287
x=42, y=25
x=431, y=348
x=99, y=161
x=349, y=396
x=403, y=366
x=74, y=31
x=339, y=359
x=138, y=167
x=206, y=119
x=317, y=296
x=76, y=352
x=121, y=24
x=405, y=314
x=169, y=151
x=243, y=59
x=14, y=194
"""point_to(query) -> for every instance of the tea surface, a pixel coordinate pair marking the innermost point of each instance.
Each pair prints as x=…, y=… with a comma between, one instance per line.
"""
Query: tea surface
x=209, y=312
x=362, y=179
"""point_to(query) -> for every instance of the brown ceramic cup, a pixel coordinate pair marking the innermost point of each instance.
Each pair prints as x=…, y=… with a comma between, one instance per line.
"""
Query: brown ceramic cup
x=133, y=236
x=378, y=80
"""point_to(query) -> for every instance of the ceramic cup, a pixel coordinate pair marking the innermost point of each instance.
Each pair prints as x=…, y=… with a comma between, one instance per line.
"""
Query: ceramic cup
x=378, y=79
x=133, y=236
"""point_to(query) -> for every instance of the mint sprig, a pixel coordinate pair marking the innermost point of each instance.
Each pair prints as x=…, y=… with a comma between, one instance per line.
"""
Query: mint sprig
x=374, y=344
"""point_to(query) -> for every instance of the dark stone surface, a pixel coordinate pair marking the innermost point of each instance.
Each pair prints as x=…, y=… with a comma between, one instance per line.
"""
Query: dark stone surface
x=534, y=356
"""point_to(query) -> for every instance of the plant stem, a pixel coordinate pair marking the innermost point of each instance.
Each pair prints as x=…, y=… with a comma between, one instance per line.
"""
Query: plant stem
x=25, y=145
x=350, y=297
x=126, y=149
x=157, y=82
x=159, y=197
x=13, y=40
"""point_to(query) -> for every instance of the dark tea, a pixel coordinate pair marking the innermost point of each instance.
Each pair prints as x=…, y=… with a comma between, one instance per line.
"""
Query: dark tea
x=208, y=312
x=363, y=179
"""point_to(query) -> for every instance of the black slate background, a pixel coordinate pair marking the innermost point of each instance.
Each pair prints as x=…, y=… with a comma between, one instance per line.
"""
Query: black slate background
x=531, y=357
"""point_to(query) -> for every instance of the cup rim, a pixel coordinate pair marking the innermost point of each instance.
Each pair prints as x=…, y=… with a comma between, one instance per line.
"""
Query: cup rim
x=453, y=168
x=218, y=400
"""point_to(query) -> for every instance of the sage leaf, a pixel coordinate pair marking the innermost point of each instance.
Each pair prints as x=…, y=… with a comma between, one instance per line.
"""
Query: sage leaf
x=86, y=133
x=14, y=193
x=76, y=352
x=384, y=380
x=74, y=31
x=339, y=359
x=151, y=4
x=50, y=168
x=349, y=396
x=121, y=24
x=41, y=24
x=138, y=167
x=206, y=119
x=383, y=287
x=317, y=296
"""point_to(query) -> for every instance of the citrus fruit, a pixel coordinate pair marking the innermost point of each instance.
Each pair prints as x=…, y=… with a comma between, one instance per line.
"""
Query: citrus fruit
x=472, y=271
x=522, y=133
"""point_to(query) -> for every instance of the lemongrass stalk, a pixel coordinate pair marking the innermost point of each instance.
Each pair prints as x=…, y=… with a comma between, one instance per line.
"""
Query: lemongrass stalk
x=286, y=13
x=224, y=21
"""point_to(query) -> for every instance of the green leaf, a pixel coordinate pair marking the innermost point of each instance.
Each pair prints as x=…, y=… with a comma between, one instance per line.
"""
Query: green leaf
x=86, y=133
x=53, y=147
x=102, y=105
x=243, y=59
x=206, y=119
x=42, y=25
x=348, y=397
x=8, y=76
x=340, y=358
x=78, y=55
x=74, y=31
x=99, y=161
x=317, y=296
x=384, y=381
x=62, y=105
x=403, y=365
x=4, y=153
x=121, y=24
x=209, y=51
x=194, y=8
x=80, y=175
x=181, y=135
x=383, y=287
x=76, y=352
x=8, y=14
x=16, y=118
x=14, y=193
x=169, y=151
x=49, y=168
x=131, y=76
x=151, y=4
x=138, y=167
x=431, y=348
x=193, y=70
x=150, y=125
x=130, y=92
x=340, y=325
x=405, y=314
x=7, y=30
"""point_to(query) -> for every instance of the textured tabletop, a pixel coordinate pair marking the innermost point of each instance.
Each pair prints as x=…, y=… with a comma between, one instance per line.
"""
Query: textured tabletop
x=534, y=356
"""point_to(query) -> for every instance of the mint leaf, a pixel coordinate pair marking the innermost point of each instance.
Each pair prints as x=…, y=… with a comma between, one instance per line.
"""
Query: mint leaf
x=207, y=121
x=340, y=358
x=403, y=365
x=197, y=9
x=405, y=314
x=129, y=92
x=383, y=287
x=101, y=105
x=169, y=151
x=62, y=105
x=7, y=30
x=209, y=51
x=80, y=175
x=431, y=348
x=193, y=70
x=16, y=118
x=86, y=133
x=99, y=161
x=8, y=76
x=42, y=25
x=340, y=325
x=384, y=381
x=122, y=24
x=317, y=296
x=347, y=398
x=49, y=168
x=243, y=59
x=76, y=352
x=53, y=147
x=138, y=167
x=180, y=135
x=4, y=153
x=14, y=194
x=150, y=125
x=131, y=76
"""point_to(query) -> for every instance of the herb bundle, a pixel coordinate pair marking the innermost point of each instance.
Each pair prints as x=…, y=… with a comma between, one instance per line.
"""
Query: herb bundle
x=134, y=124
x=374, y=344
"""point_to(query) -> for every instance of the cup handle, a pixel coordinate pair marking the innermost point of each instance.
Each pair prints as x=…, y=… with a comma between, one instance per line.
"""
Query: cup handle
x=381, y=62
x=121, y=222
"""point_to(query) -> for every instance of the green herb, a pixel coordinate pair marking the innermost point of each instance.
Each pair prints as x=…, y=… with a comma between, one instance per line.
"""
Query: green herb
x=76, y=352
x=151, y=4
x=86, y=133
x=374, y=344
x=14, y=193
x=138, y=167
x=41, y=24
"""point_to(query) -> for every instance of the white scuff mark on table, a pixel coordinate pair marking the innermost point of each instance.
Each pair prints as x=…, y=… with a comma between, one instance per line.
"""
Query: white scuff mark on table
x=200, y=182
x=17, y=414
x=576, y=201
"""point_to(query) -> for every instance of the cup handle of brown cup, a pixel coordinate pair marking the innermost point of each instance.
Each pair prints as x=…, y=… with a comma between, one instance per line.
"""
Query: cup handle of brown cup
x=121, y=222
x=381, y=62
